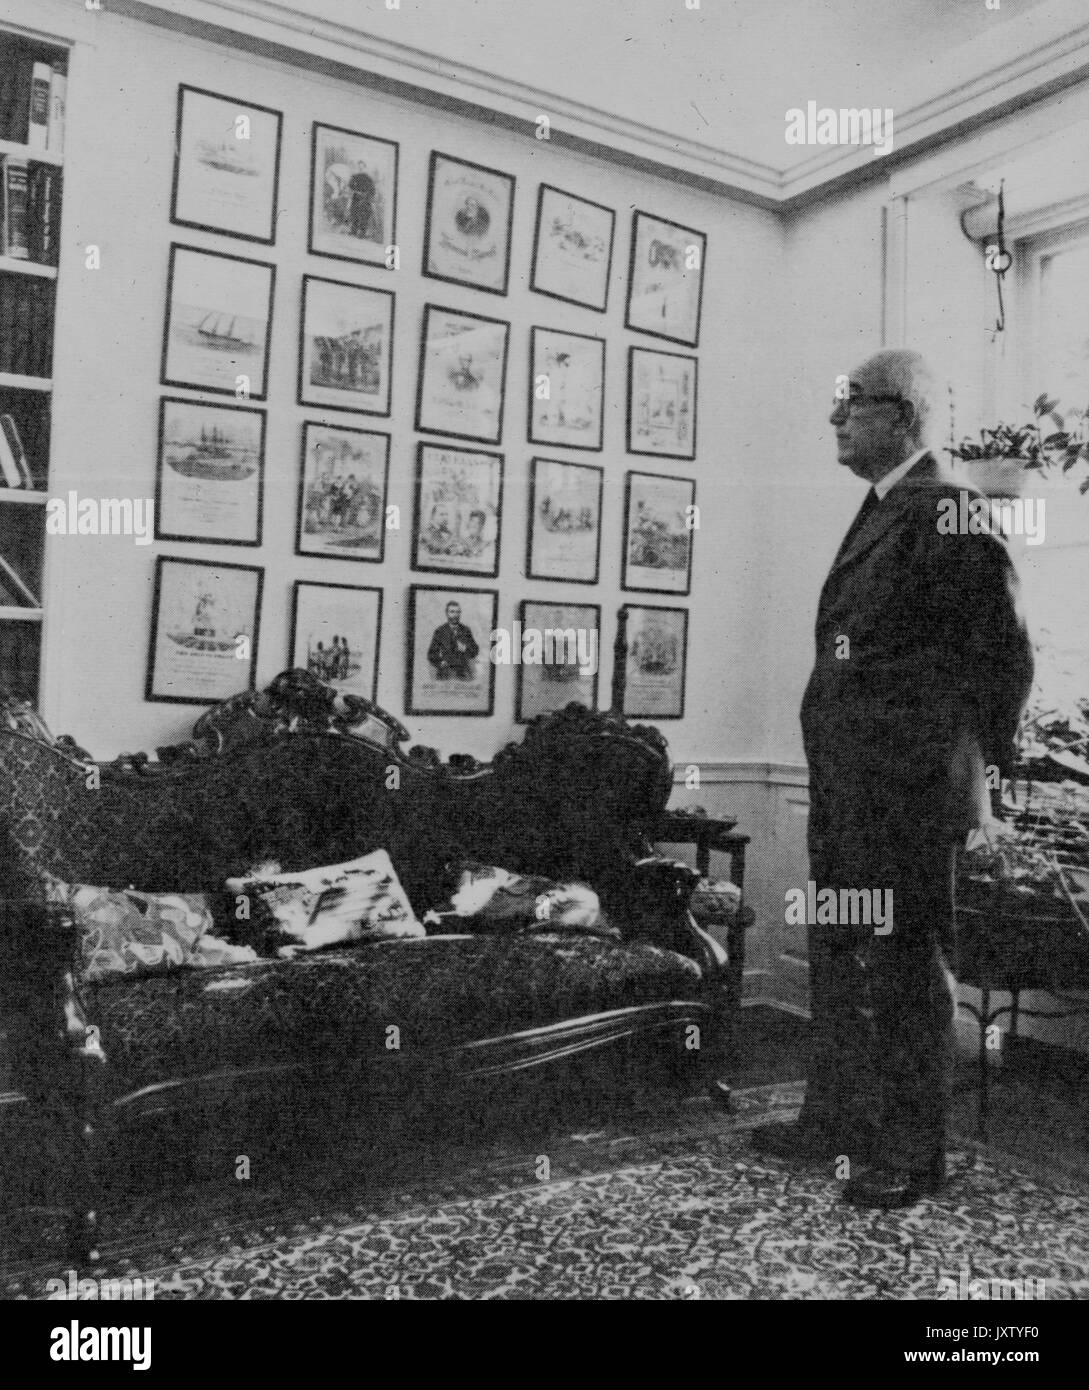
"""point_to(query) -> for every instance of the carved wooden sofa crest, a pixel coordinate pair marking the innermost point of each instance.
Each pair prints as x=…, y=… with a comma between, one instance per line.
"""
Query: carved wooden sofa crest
x=296, y=773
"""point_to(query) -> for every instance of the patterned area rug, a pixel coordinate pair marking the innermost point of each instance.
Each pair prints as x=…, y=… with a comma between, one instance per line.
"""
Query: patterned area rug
x=669, y=1203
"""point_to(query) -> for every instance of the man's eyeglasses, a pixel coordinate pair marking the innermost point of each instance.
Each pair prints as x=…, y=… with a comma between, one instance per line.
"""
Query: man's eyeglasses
x=857, y=398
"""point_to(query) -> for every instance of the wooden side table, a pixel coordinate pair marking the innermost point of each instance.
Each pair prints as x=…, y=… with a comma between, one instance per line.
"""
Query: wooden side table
x=708, y=833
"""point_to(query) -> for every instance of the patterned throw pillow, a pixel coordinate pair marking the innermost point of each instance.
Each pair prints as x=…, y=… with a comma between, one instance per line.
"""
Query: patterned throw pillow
x=127, y=933
x=490, y=899
x=358, y=901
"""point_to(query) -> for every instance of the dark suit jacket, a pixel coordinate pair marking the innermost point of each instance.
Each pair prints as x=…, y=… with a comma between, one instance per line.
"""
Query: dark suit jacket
x=937, y=649
x=443, y=652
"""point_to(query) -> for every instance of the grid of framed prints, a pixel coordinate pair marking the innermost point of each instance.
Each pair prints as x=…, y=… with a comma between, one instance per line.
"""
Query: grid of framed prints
x=567, y=389
x=655, y=657
x=353, y=195
x=659, y=513
x=467, y=233
x=459, y=511
x=218, y=322
x=343, y=481
x=665, y=280
x=209, y=479
x=662, y=390
x=463, y=372
x=211, y=459
x=204, y=630
x=226, y=166
x=558, y=657
x=345, y=346
x=572, y=248
x=449, y=668
x=335, y=632
x=563, y=538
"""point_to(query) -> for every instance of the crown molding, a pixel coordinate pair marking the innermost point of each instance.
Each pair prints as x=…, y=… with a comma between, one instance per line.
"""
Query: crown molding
x=1026, y=78
x=277, y=32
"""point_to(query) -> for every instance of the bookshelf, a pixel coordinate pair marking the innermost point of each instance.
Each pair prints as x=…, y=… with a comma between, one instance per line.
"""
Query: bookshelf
x=33, y=80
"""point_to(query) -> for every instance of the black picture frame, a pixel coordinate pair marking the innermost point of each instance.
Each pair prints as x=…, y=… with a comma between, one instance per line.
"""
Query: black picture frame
x=332, y=397
x=534, y=570
x=215, y=411
x=390, y=224
x=233, y=687
x=639, y=314
x=369, y=691
x=536, y=273
x=429, y=253
x=552, y=434
x=566, y=693
x=183, y=337
x=425, y=425
x=443, y=597
x=352, y=546
x=641, y=414
x=241, y=107
x=637, y=704
x=423, y=450
x=659, y=542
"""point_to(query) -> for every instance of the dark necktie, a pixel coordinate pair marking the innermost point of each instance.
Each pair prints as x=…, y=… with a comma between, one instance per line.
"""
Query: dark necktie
x=870, y=503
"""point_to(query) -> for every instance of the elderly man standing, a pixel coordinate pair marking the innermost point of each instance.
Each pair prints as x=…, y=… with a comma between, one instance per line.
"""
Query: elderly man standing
x=923, y=665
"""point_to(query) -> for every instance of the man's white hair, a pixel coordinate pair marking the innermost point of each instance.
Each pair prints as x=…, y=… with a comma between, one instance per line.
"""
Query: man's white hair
x=902, y=372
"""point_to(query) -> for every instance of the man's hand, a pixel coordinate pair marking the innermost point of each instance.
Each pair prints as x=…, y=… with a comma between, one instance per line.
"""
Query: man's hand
x=969, y=800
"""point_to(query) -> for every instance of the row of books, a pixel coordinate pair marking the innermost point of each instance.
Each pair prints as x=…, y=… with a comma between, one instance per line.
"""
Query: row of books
x=20, y=558
x=30, y=204
x=32, y=97
x=26, y=325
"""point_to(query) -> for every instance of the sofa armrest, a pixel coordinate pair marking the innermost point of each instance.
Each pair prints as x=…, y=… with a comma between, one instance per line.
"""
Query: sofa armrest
x=54, y=1047
x=656, y=898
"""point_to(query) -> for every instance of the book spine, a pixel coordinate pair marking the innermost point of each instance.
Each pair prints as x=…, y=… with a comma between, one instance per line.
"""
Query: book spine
x=10, y=431
x=6, y=354
x=33, y=212
x=58, y=97
x=15, y=207
x=38, y=128
x=8, y=466
x=14, y=579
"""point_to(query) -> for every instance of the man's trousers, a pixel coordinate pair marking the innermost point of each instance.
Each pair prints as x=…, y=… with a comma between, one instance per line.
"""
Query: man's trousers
x=881, y=1031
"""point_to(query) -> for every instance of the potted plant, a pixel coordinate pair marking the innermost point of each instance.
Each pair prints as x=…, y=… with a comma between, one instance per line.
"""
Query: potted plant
x=1006, y=454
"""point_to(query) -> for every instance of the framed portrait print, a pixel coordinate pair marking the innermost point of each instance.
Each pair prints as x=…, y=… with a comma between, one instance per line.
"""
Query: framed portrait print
x=558, y=657
x=218, y=321
x=564, y=534
x=345, y=346
x=655, y=653
x=226, y=165
x=662, y=389
x=449, y=669
x=204, y=629
x=463, y=371
x=572, y=248
x=210, y=472
x=658, y=534
x=566, y=389
x=459, y=511
x=335, y=632
x=665, y=280
x=468, y=228
x=343, y=478
x=353, y=195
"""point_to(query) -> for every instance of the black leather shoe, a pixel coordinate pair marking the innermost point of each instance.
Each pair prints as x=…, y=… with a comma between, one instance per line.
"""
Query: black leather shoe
x=794, y=1143
x=894, y=1187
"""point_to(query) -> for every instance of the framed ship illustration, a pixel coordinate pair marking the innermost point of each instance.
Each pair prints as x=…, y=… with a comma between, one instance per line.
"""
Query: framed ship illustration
x=204, y=630
x=209, y=481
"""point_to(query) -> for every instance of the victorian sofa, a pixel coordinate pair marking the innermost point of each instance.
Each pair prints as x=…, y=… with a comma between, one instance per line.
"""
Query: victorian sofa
x=298, y=773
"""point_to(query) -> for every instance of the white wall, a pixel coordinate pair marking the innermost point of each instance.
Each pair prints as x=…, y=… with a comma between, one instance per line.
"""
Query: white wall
x=119, y=163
